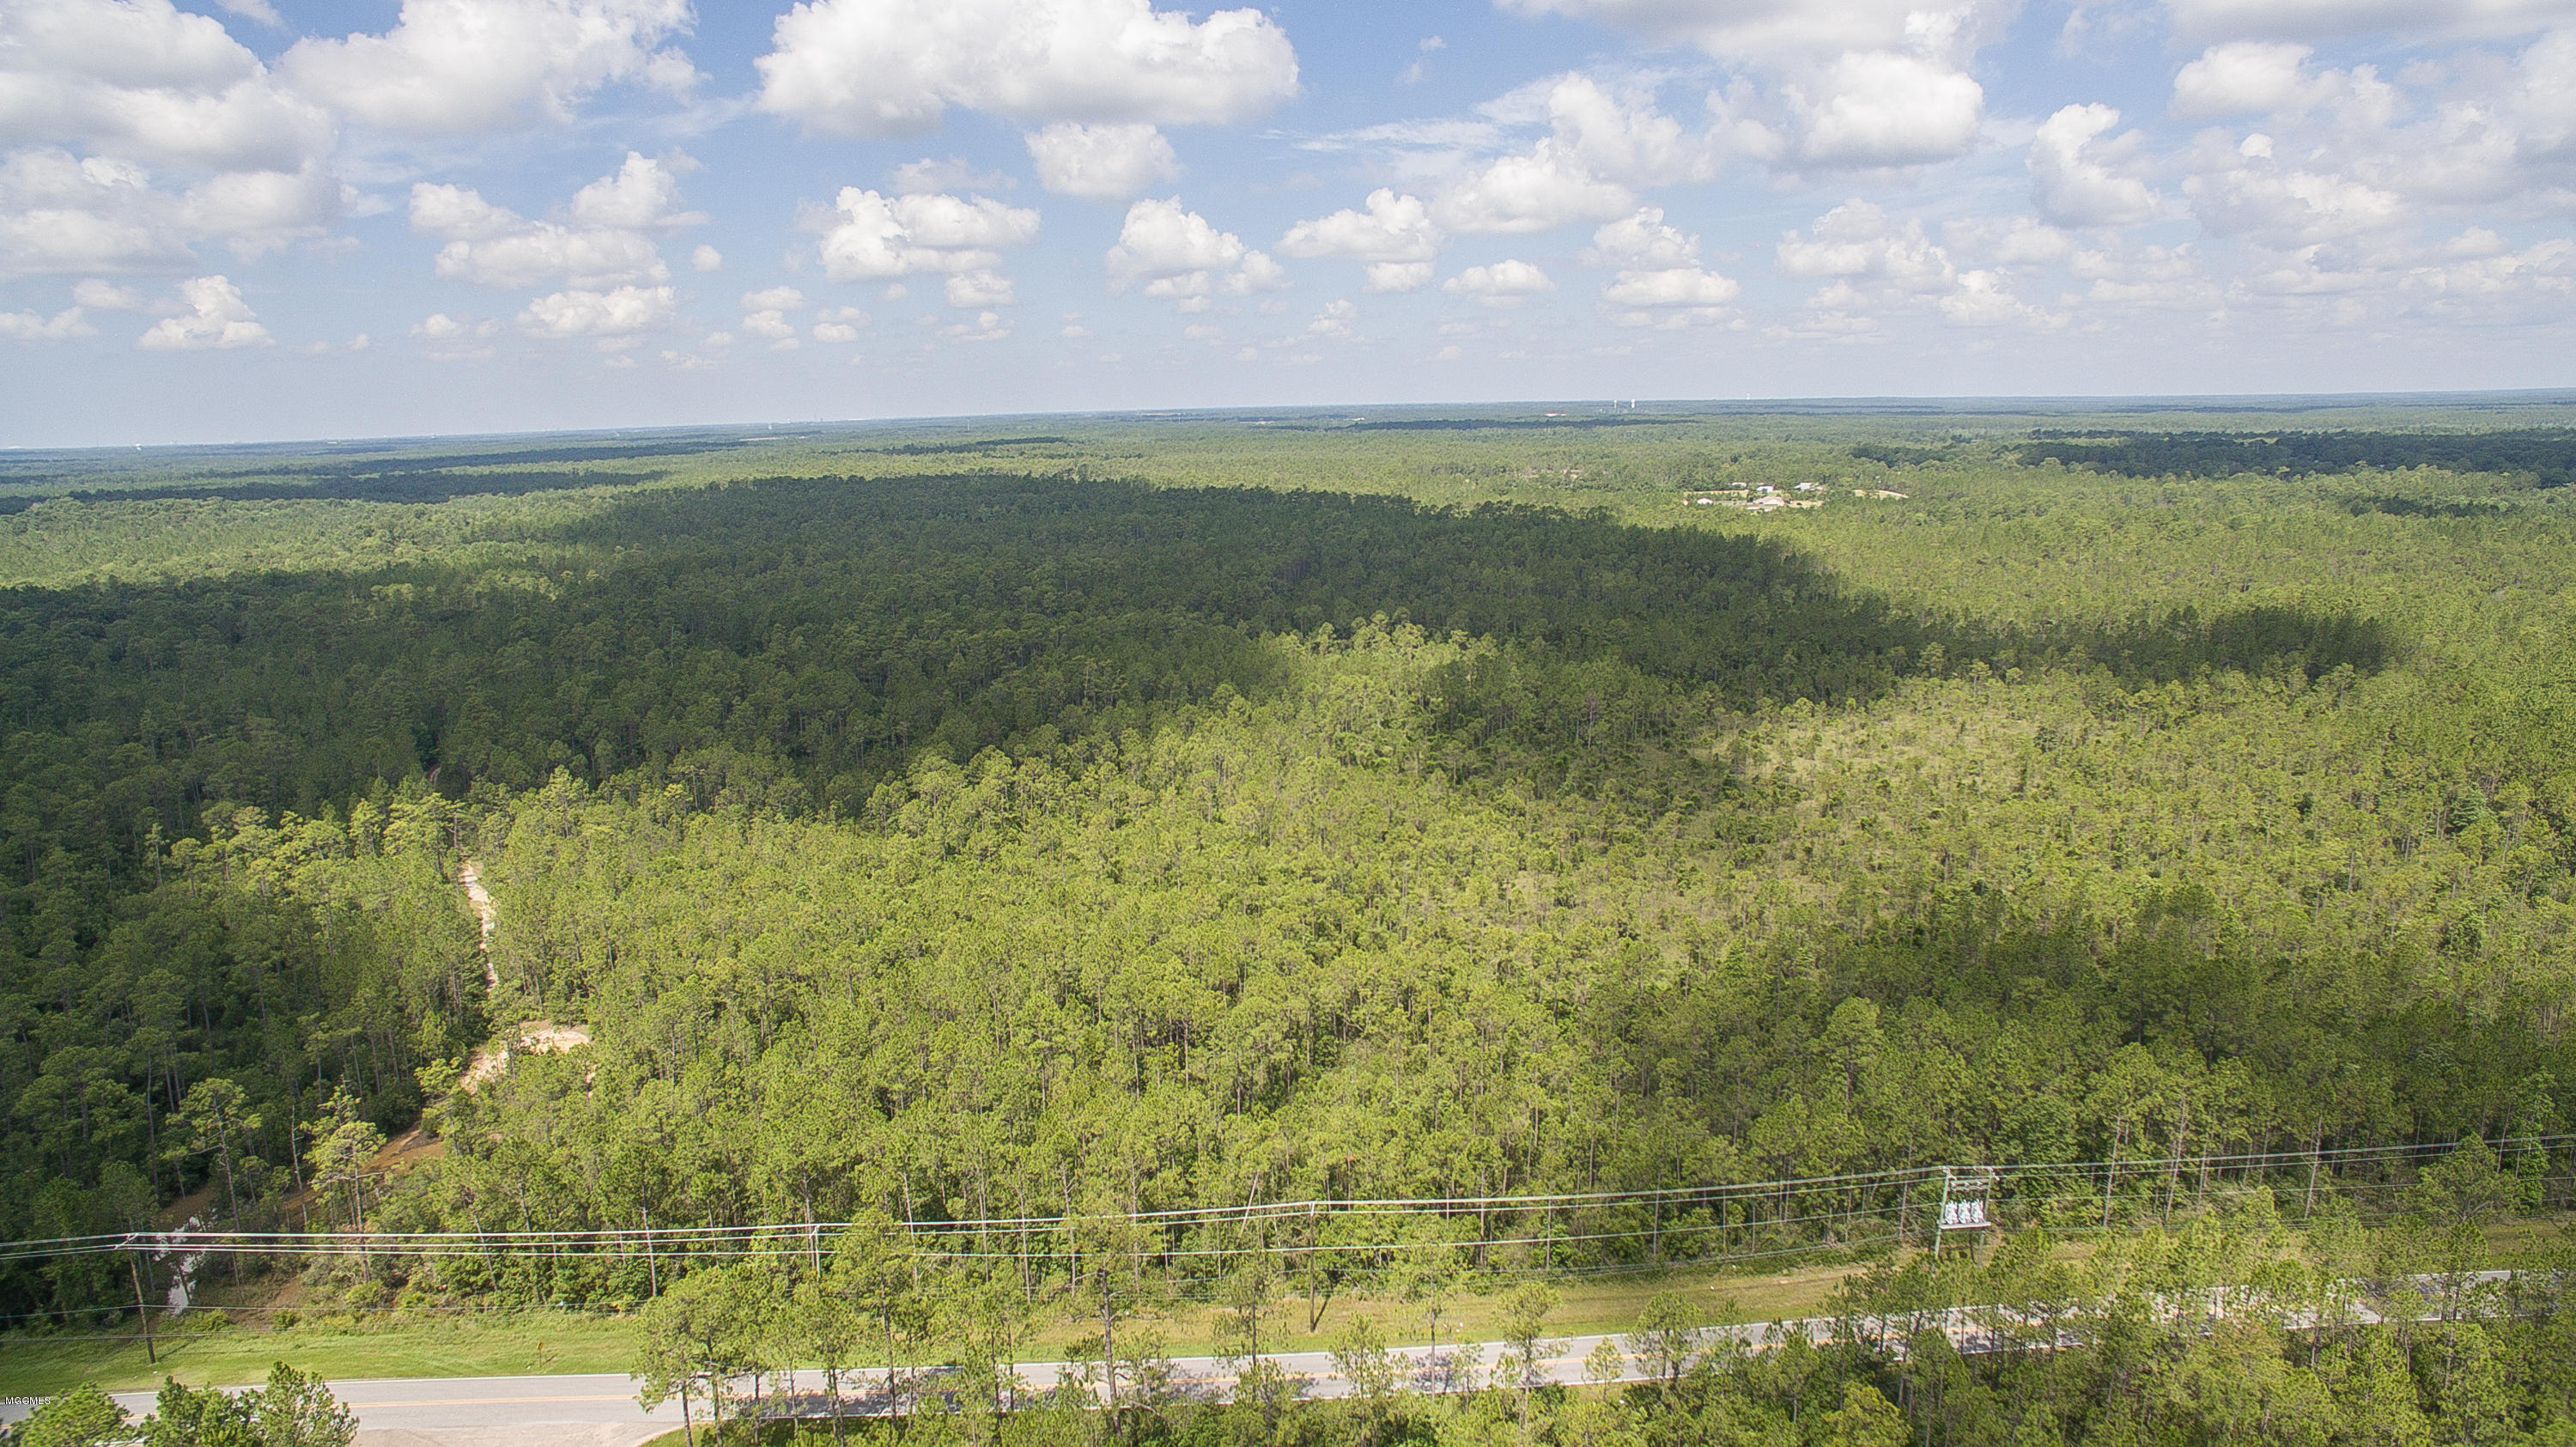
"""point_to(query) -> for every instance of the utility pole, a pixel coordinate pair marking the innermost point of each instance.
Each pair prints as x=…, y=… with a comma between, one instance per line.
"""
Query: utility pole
x=142, y=1308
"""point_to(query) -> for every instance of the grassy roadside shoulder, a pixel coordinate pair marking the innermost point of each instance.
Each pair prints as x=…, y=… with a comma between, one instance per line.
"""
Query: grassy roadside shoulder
x=404, y=1345
x=540, y=1342
x=408, y=1344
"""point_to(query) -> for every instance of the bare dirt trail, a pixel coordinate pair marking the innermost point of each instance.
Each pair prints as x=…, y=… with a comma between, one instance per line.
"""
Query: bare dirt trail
x=540, y=1036
x=479, y=899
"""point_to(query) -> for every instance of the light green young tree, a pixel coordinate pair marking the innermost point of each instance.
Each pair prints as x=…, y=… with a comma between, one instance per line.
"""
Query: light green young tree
x=1865, y=1419
x=201, y=1417
x=984, y=1320
x=2374, y=1393
x=1665, y=1339
x=1110, y=1285
x=1603, y=1418
x=1526, y=1350
x=1431, y=1263
x=2466, y=1188
x=343, y=1141
x=1250, y=1296
x=874, y=1267
x=296, y=1409
x=2476, y=1391
x=81, y=1417
x=1361, y=1358
x=824, y=1327
x=703, y=1331
x=214, y=1113
x=1605, y=1364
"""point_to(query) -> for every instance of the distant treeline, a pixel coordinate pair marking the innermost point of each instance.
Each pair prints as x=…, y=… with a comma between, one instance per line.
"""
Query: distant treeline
x=989, y=444
x=2548, y=455
x=1509, y=424
x=363, y=473
x=401, y=487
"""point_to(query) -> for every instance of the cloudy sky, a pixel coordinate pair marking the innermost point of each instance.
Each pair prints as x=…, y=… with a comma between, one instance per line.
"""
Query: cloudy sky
x=238, y=219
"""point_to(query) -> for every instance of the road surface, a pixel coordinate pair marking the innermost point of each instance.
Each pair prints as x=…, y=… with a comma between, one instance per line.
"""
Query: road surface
x=600, y=1410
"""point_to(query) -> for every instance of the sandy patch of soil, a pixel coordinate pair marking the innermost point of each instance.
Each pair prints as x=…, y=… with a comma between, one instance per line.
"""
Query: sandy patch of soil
x=535, y=1037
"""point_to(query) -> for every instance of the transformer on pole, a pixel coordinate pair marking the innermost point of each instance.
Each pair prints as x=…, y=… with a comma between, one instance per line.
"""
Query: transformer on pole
x=1967, y=1193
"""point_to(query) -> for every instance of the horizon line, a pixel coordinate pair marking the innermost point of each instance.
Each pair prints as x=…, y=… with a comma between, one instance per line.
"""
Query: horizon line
x=1989, y=405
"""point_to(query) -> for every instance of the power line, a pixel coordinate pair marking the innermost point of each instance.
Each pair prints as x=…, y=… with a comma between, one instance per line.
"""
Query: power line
x=944, y=1238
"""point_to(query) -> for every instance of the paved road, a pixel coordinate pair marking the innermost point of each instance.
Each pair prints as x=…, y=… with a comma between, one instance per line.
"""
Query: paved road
x=559, y=1411
x=600, y=1410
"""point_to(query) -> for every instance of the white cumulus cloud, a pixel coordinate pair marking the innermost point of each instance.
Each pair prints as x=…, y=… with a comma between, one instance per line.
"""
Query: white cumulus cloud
x=2252, y=193
x=1887, y=108
x=1599, y=145
x=2474, y=128
x=603, y=242
x=1867, y=83
x=1396, y=276
x=1671, y=286
x=1736, y=29
x=98, y=294
x=2325, y=19
x=35, y=327
x=1178, y=254
x=973, y=290
x=764, y=314
x=493, y=246
x=581, y=312
x=2008, y=241
x=644, y=195
x=1985, y=299
x=1334, y=320
x=258, y=211
x=1501, y=284
x=1622, y=135
x=1641, y=240
x=2077, y=178
x=1855, y=240
x=1538, y=191
x=142, y=79
x=2244, y=75
x=95, y=92
x=447, y=338
x=893, y=67
x=62, y=213
x=476, y=65
x=1113, y=161
x=1867, y=261
x=872, y=237
x=1660, y=281
x=217, y=316
x=839, y=324
x=1393, y=233
x=440, y=327
x=986, y=327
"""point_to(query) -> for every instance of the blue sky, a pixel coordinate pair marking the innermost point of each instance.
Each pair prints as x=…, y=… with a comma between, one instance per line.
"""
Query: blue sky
x=265, y=219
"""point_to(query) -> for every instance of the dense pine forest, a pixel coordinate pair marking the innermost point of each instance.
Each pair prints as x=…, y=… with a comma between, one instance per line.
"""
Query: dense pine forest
x=1091, y=819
